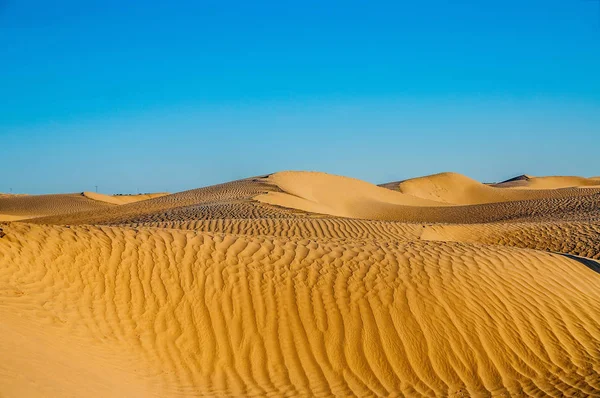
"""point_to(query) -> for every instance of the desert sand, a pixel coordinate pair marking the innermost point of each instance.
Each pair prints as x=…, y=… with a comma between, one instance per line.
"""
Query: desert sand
x=550, y=182
x=305, y=284
x=21, y=207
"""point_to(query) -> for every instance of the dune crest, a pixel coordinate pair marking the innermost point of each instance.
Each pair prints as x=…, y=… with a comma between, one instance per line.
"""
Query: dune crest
x=457, y=189
x=31, y=206
x=550, y=182
x=122, y=199
x=339, y=196
x=450, y=188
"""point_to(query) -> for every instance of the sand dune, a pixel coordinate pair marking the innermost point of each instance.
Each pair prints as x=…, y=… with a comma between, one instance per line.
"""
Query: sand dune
x=550, y=182
x=28, y=206
x=454, y=188
x=228, y=200
x=122, y=199
x=345, y=197
x=228, y=315
x=20, y=207
x=451, y=188
x=327, y=195
x=577, y=238
x=338, y=196
x=304, y=284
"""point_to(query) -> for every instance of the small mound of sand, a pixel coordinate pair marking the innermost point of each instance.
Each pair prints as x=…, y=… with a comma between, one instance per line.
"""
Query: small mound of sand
x=122, y=199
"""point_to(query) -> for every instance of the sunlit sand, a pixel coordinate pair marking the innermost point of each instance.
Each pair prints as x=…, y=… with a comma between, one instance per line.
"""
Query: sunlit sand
x=305, y=283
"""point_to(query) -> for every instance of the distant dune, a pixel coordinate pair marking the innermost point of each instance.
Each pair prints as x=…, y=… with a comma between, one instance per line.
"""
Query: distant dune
x=30, y=206
x=454, y=188
x=122, y=199
x=551, y=182
x=338, y=196
x=305, y=284
x=20, y=207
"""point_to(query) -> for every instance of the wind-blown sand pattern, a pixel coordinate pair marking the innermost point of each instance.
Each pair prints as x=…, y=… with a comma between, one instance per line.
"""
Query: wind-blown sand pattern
x=16, y=207
x=30, y=206
x=577, y=238
x=306, y=284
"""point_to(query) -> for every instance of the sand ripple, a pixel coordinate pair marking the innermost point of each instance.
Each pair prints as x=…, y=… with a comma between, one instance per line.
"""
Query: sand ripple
x=173, y=312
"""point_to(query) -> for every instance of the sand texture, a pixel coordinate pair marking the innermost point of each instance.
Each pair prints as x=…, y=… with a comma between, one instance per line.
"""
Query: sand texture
x=122, y=199
x=19, y=207
x=30, y=206
x=305, y=284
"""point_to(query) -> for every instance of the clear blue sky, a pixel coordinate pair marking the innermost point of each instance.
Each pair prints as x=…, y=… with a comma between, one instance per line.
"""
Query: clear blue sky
x=157, y=95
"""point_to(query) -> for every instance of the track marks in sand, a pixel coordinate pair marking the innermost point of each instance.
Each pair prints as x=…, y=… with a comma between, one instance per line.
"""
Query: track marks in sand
x=217, y=314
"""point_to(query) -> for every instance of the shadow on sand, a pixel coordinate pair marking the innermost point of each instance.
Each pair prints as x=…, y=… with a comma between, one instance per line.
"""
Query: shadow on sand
x=594, y=265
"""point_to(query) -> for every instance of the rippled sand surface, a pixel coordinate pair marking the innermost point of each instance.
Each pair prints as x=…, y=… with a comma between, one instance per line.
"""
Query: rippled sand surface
x=306, y=284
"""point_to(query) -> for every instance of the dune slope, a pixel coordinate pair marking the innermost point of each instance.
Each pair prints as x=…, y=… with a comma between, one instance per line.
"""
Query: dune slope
x=206, y=314
x=304, y=284
x=29, y=206
x=316, y=195
x=122, y=199
x=228, y=200
x=345, y=197
x=577, y=238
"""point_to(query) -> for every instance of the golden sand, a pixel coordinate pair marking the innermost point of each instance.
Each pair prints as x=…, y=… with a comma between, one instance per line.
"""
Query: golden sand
x=455, y=188
x=122, y=199
x=551, y=182
x=304, y=284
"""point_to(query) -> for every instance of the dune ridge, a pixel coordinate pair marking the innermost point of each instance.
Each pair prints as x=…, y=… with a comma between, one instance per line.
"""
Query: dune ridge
x=343, y=197
x=549, y=182
x=227, y=200
x=29, y=206
x=122, y=199
x=454, y=188
x=280, y=195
